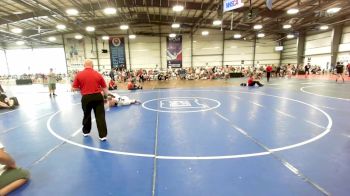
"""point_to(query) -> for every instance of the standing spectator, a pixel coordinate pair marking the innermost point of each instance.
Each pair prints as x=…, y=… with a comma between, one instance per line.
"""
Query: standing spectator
x=51, y=80
x=307, y=69
x=289, y=71
x=112, y=74
x=90, y=83
x=278, y=71
x=11, y=177
x=348, y=66
x=268, y=72
x=340, y=69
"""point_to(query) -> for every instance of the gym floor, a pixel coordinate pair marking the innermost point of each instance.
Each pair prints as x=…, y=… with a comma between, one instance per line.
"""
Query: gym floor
x=290, y=137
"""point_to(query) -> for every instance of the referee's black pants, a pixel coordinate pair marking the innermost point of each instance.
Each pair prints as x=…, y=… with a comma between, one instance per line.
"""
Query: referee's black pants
x=95, y=102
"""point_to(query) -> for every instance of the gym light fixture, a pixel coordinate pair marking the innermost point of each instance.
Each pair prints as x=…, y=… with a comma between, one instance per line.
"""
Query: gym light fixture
x=324, y=27
x=110, y=10
x=257, y=27
x=90, y=29
x=175, y=25
x=124, y=27
x=217, y=22
x=333, y=10
x=292, y=11
x=61, y=26
x=52, y=39
x=106, y=37
x=19, y=43
x=72, y=12
x=287, y=26
x=290, y=36
x=172, y=35
x=205, y=33
x=261, y=35
x=237, y=36
x=16, y=30
x=178, y=8
x=132, y=36
x=78, y=37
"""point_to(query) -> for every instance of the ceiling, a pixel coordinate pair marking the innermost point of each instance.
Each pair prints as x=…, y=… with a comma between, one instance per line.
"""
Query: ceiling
x=38, y=18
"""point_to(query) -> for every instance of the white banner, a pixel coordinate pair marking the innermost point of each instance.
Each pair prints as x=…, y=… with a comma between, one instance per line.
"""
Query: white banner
x=232, y=4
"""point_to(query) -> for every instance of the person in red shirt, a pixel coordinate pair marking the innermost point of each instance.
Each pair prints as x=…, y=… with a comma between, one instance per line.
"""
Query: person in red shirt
x=268, y=72
x=90, y=83
x=133, y=86
x=348, y=66
x=252, y=82
x=112, y=85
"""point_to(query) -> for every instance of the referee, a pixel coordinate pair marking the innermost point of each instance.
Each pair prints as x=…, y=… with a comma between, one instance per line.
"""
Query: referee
x=90, y=83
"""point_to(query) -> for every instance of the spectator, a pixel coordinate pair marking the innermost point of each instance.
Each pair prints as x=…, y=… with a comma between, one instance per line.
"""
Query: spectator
x=112, y=74
x=52, y=79
x=112, y=85
x=133, y=86
x=268, y=72
x=307, y=69
x=340, y=69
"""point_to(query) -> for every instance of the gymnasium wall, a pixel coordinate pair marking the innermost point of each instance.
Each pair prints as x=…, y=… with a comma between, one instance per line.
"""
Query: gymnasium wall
x=150, y=51
x=344, y=47
x=290, y=50
x=265, y=52
x=318, y=49
x=3, y=64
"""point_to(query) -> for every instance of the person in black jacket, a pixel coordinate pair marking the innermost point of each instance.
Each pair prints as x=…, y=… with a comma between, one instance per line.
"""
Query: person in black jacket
x=340, y=69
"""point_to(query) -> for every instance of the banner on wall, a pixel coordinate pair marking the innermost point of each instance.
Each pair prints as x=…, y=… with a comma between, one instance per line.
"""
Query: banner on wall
x=117, y=52
x=174, y=51
x=75, y=50
x=232, y=4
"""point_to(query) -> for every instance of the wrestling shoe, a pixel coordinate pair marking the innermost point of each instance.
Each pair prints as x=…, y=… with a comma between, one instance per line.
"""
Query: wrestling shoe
x=103, y=139
x=86, y=134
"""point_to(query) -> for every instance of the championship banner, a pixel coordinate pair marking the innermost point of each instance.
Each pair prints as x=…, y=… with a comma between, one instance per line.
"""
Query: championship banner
x=174, y=51
x=117, y=51
x=232, y=4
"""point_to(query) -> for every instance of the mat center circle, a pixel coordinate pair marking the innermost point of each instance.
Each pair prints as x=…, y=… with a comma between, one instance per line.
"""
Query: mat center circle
x=181, y=104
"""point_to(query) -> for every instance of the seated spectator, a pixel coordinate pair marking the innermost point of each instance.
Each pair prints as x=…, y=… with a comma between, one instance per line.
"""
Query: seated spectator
x=252, y=81
x=114, y=100
x=11, y=177
x=182, y=74
x=112, y=85
x=163, y=76
x=133, y=86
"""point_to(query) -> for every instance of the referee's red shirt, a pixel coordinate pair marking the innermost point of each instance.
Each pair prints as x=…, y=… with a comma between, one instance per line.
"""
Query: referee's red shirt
x=89, y=81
